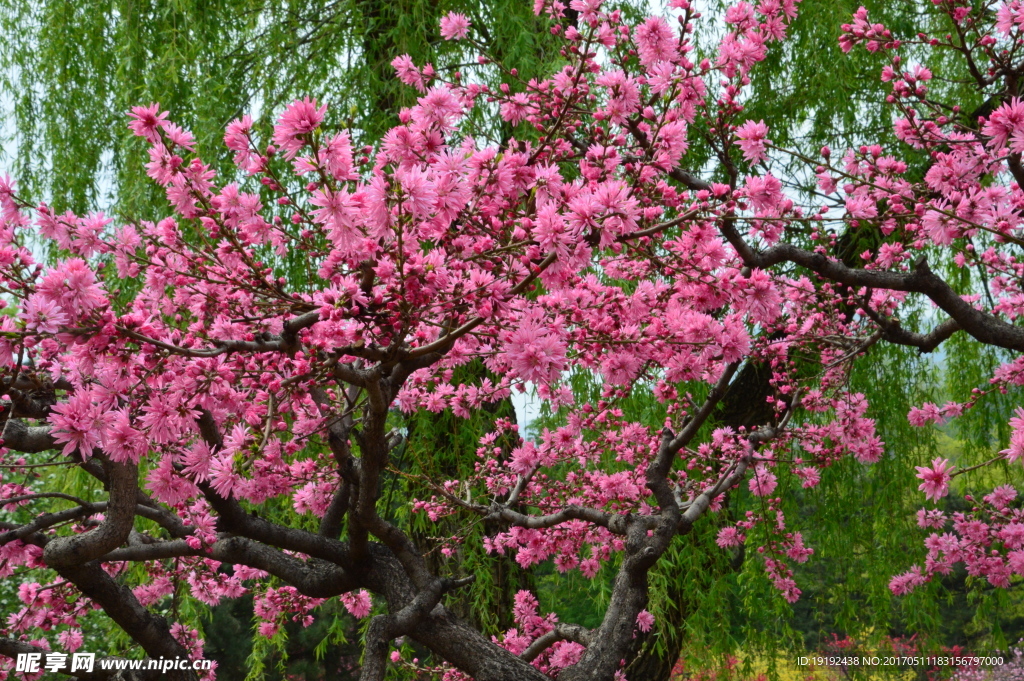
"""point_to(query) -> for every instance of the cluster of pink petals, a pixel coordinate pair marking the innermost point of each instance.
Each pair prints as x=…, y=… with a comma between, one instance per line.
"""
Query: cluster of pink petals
x=936, y=478
x=454, y=26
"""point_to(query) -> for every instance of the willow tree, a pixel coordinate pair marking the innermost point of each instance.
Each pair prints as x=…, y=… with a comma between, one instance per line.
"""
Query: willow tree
x=70, y=69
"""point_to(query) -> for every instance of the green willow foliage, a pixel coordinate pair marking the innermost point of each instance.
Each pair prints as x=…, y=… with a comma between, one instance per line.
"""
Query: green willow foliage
x=68, y=71
x=71, y=70
x=440, y=447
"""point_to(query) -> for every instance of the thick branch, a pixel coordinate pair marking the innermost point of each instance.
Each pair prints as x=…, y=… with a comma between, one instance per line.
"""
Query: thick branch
x=982, y=326
x=629, y=596
x=47, y=520
x=177, y=548
x=441, y=631
x=145, y=505
x=616, y=524
x=287, y=342
x=314, y=578
x=1016, y=169
x=561, y=632
x=691, y=427
x=375, y=652
x=64, y=552
x=699, y=505
x=925, y=342
x=27, y=439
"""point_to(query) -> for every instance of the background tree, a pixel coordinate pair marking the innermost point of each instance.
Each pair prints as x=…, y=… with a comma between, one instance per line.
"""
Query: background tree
x=71, y=70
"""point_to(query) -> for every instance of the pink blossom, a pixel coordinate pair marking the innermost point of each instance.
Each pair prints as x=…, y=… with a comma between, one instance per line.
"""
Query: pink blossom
x=764, y=192
x=440, y=108
x=941, y=227
x=337, y=152
x=565, y=654
x=42, y=315
x=889, y=255
x=534, y=352
x=1008, y=16
x=236, y=135
x=796, y=550
x=729, y=537
x=147, y=121
x=861, y=31
x=408, y=73
x=71, y=640
x=926, y=413
x=72, y=286
x=644, y=621
x=907, y=582
x=1001, y=496
x=1015, y=561
x=163, y=166
x=737, y=53
x=78, y=423
x=656, y=42
x=764, y=481
x=759, y=297
x=936, y=478
x=454, y=26
x=861, y=207
x=300, y=118
x=167, y=486
x=179, y=137
x=223, y=477
x=516, y=109
x=418, y=191
x=1015, y=451
x=740, y=13
x=1012, y=535
x=752, y=138
x=334, y=209
x=623, y=94
x=525, y=606
x=620, y=368
x=358, y=604
x=931, y=518
x=811, y=476
x=1005, y=121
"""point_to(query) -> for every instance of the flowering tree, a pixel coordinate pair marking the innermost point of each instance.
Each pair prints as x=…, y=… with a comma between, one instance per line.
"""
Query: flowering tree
x=238, y=426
